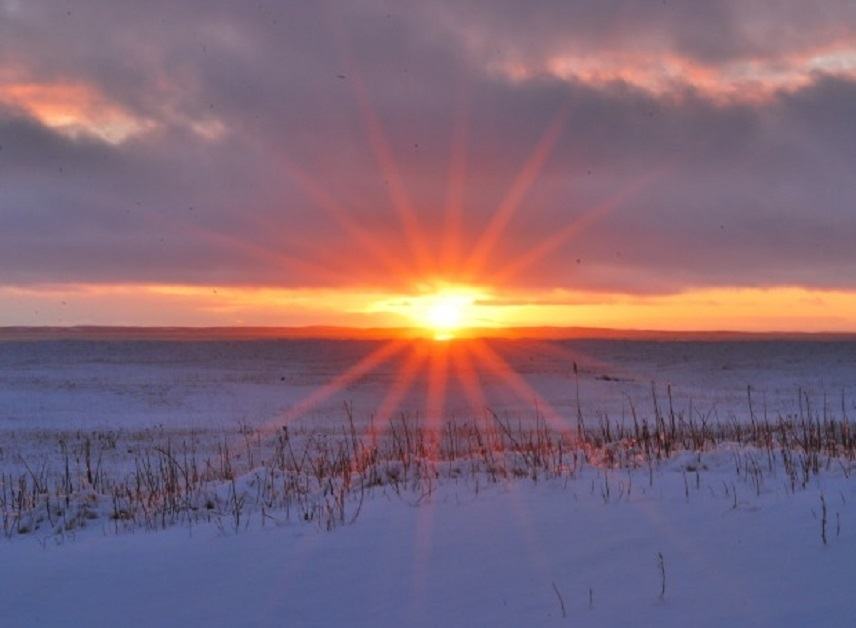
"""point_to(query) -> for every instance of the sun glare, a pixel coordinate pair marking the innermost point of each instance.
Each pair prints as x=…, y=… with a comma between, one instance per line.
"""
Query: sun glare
x=445, y=313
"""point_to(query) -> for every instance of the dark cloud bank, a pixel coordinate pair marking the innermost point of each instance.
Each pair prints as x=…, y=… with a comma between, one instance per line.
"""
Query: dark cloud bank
x=224, y=97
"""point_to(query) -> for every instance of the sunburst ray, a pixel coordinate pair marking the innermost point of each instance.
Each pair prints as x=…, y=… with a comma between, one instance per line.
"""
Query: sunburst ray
x=323, y=199
x=497, y=365
x=457, y=178
x=358, y=370
x=438, y=374
x=519, y=187
x=382, y=418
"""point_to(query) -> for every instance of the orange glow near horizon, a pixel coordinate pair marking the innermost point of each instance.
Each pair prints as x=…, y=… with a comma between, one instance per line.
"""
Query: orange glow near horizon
x=459, y=310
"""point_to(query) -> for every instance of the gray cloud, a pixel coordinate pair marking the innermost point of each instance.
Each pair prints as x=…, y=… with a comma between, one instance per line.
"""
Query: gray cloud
x=217, y=100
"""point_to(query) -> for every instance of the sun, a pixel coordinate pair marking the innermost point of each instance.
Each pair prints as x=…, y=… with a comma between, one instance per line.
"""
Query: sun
x=445, y=313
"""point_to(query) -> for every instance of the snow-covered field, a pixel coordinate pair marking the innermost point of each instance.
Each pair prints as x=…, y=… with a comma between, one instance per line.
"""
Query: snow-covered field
x=466, y=559
x=128, y=515
x=78, y=384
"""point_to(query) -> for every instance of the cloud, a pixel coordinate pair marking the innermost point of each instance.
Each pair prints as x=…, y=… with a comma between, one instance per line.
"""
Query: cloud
x=283, y=144
x=728, y=48
x=72, y=110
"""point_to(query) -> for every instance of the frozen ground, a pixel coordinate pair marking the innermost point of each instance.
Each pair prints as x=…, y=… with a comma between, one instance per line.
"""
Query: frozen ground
x=462, y=558
x=112, y=385
x=741, y=540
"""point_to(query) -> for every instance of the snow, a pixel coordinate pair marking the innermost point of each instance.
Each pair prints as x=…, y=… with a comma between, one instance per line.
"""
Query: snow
x=463, y=558
x=111, y=385
x=514, y=552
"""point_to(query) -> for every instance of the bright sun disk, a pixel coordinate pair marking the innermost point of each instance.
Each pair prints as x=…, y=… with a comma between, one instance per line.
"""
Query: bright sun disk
x=446, y=313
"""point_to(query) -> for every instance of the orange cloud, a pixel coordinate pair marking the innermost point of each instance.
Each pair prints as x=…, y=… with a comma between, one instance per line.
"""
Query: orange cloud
x=663, y=73
x=73, y=109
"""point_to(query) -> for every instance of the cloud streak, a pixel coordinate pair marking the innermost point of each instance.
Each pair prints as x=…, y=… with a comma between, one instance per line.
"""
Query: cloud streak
x=158, y=144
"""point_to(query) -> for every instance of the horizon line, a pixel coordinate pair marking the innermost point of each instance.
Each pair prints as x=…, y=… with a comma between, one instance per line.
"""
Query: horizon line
x=344, y=332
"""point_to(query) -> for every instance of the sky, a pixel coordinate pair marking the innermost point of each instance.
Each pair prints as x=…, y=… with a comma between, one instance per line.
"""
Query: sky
x=640, y=164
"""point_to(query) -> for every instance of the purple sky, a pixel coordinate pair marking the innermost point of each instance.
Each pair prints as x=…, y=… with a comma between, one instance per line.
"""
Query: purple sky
x=162, y=142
